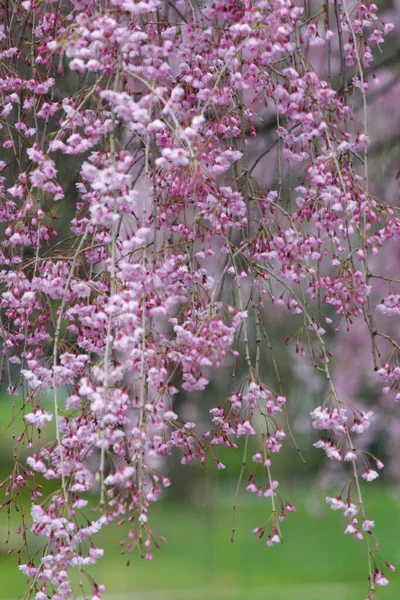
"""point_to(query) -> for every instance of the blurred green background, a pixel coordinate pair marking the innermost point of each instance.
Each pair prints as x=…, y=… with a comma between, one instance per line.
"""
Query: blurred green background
x=315, y=562
x=197, y=561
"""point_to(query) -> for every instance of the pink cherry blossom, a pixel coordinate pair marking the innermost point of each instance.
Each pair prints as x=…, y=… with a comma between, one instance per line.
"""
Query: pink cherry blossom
x=38, y=418
x=380, y=579
x=370, y=474
x=175, y=188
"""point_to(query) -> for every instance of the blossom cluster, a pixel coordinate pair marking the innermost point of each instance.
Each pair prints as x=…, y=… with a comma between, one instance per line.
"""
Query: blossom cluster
x=173, y=250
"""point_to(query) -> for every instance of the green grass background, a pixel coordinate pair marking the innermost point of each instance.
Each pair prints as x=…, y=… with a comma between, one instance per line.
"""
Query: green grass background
x=198, y=562
x=315, y=562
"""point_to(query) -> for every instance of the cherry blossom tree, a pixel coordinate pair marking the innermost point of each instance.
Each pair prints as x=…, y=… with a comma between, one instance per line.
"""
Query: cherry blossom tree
x=183, y=230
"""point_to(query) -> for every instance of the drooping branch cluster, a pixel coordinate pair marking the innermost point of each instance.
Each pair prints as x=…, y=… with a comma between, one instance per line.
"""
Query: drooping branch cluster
x=159, y=264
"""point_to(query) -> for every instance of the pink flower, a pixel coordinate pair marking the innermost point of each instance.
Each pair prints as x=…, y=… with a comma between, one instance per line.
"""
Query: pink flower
x=350, y=455
x=38, y=418
x=362, y=423
x=274, y=539
x=175, y=254
x=335, y=419
x=380, y=579
x=370, y=475
x=320, y=444
x=169, y=415
x=244, y=428
x=351, y=528
x=368, y=525
x=335, y=503
x=351, y=510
